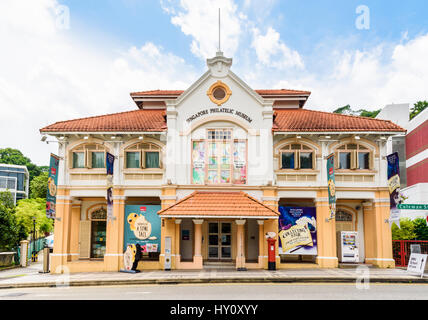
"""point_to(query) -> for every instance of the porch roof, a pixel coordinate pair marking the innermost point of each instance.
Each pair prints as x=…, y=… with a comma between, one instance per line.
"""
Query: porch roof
x=204, y=204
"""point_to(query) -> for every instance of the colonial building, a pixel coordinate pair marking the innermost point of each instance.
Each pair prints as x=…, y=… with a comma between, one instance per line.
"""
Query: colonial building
x=202, y=176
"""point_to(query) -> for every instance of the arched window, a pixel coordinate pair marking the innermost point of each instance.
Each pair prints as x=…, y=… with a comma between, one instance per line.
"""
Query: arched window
x=353, y=156
x=343, y=216
x=143, y=155
x=345, y=220
x=219, y=159
x=297, y=156
x=88, y=156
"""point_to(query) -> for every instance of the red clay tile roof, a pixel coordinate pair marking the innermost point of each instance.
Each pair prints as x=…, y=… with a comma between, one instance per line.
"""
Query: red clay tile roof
x=207, y=203
x=130, y=121
x=158, y=93
x=262, y=92
x=293, y=120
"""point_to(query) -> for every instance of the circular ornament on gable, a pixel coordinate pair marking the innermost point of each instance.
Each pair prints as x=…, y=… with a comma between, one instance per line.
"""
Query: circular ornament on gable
x=219, y=93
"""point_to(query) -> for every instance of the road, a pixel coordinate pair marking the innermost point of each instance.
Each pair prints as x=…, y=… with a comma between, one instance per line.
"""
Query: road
x=224, y=292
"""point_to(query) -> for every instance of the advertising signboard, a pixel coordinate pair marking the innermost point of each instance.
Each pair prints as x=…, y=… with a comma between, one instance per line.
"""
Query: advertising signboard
x=52, y=187
x=297, y=230
x=142, y=226
x=417, y=263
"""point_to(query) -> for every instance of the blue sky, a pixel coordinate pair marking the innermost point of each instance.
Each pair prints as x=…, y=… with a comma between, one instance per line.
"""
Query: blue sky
x=306, y=26
x=66, y=59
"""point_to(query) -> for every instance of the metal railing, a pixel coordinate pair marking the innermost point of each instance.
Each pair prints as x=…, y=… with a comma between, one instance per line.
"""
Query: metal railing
x=36, y=246
x=401, y=250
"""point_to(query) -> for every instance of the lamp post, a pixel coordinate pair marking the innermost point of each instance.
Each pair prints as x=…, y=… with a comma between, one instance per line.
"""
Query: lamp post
x=33, y=256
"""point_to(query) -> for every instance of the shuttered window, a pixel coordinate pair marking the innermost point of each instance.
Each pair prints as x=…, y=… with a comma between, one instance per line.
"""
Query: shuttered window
x=297, y=156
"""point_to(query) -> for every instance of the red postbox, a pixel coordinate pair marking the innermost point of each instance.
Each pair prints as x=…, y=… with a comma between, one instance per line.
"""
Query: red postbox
x=271, y=254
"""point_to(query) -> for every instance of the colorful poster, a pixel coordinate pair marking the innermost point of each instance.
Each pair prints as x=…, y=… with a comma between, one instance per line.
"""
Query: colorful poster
x=52, y=187
x=239, y=162
x=198, y=160
x=331, y=183
x=142, y=226
x=394, y=187
x=297, y=230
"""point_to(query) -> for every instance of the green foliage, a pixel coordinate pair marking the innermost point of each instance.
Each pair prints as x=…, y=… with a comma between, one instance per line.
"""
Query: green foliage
x=14, y=156
x=344, y=110
x=362, y=112
x=29, y=208
x=405, y=232
x=369, y=114
x=418, y=107
x=9, y=230
x=420, y=228
x=38, y=186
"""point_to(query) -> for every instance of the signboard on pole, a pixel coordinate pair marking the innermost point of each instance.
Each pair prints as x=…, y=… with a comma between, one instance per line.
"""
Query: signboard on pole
x=52, y=187
x=394, y=187
x=331, y=183
x=417, y=263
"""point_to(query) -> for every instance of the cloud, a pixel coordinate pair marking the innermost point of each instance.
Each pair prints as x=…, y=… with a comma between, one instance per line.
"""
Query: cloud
x=48, y=75
x=272, y=52
x=199, y=19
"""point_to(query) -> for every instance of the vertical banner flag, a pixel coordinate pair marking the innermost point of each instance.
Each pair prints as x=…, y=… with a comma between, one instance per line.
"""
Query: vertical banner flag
x=109, y=167
x=394, y=187
x=331, y=186
x=52, y=187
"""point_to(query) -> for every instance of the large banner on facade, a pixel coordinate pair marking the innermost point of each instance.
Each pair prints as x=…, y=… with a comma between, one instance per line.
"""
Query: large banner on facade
x=394, y=187
x=297, y=230
x=331, y=183
x=143, y=226
x=52, y=187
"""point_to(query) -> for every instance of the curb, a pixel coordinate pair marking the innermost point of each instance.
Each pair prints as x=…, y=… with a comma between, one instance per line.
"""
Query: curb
x=134, y=282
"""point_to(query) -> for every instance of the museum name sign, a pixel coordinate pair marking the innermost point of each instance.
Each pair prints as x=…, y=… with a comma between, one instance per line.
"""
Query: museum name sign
x=219, y=110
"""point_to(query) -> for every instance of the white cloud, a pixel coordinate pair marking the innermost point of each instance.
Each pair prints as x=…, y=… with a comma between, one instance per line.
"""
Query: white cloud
x=48, y=75
x=199, y=19
x=272, y=52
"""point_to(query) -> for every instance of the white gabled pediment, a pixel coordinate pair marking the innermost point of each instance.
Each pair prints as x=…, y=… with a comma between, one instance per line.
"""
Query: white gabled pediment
x=243, y=103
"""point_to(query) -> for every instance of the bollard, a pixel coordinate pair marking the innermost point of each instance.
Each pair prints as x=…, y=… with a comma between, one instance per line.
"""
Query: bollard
x=46, y=260
x=24, y=253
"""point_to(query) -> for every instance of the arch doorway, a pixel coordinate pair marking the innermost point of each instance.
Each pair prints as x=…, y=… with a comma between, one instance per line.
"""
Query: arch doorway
x=345, y=220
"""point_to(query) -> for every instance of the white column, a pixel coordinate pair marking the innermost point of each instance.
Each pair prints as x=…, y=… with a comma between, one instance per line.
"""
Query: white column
x=261, y=241
x=197, y=257
x=240, y=252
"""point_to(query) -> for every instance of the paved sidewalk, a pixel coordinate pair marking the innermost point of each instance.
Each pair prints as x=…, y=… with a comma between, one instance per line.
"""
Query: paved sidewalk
x=30, y=277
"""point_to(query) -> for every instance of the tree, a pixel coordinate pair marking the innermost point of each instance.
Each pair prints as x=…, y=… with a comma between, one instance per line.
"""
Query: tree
x=38, y=186
x=369, y=114
x=418, y=107
x=406, y=231
x=14, y=156
x=29, y=208
x=420, y=228
x=361, y=113
x=344, y=110
x=9, y=231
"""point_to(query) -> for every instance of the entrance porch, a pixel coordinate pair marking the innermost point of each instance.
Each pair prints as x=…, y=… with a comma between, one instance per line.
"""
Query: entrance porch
x=221, y=228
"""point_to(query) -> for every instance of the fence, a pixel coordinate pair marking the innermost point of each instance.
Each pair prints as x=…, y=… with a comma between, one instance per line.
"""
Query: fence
x=401, y=250
x=32, y=246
